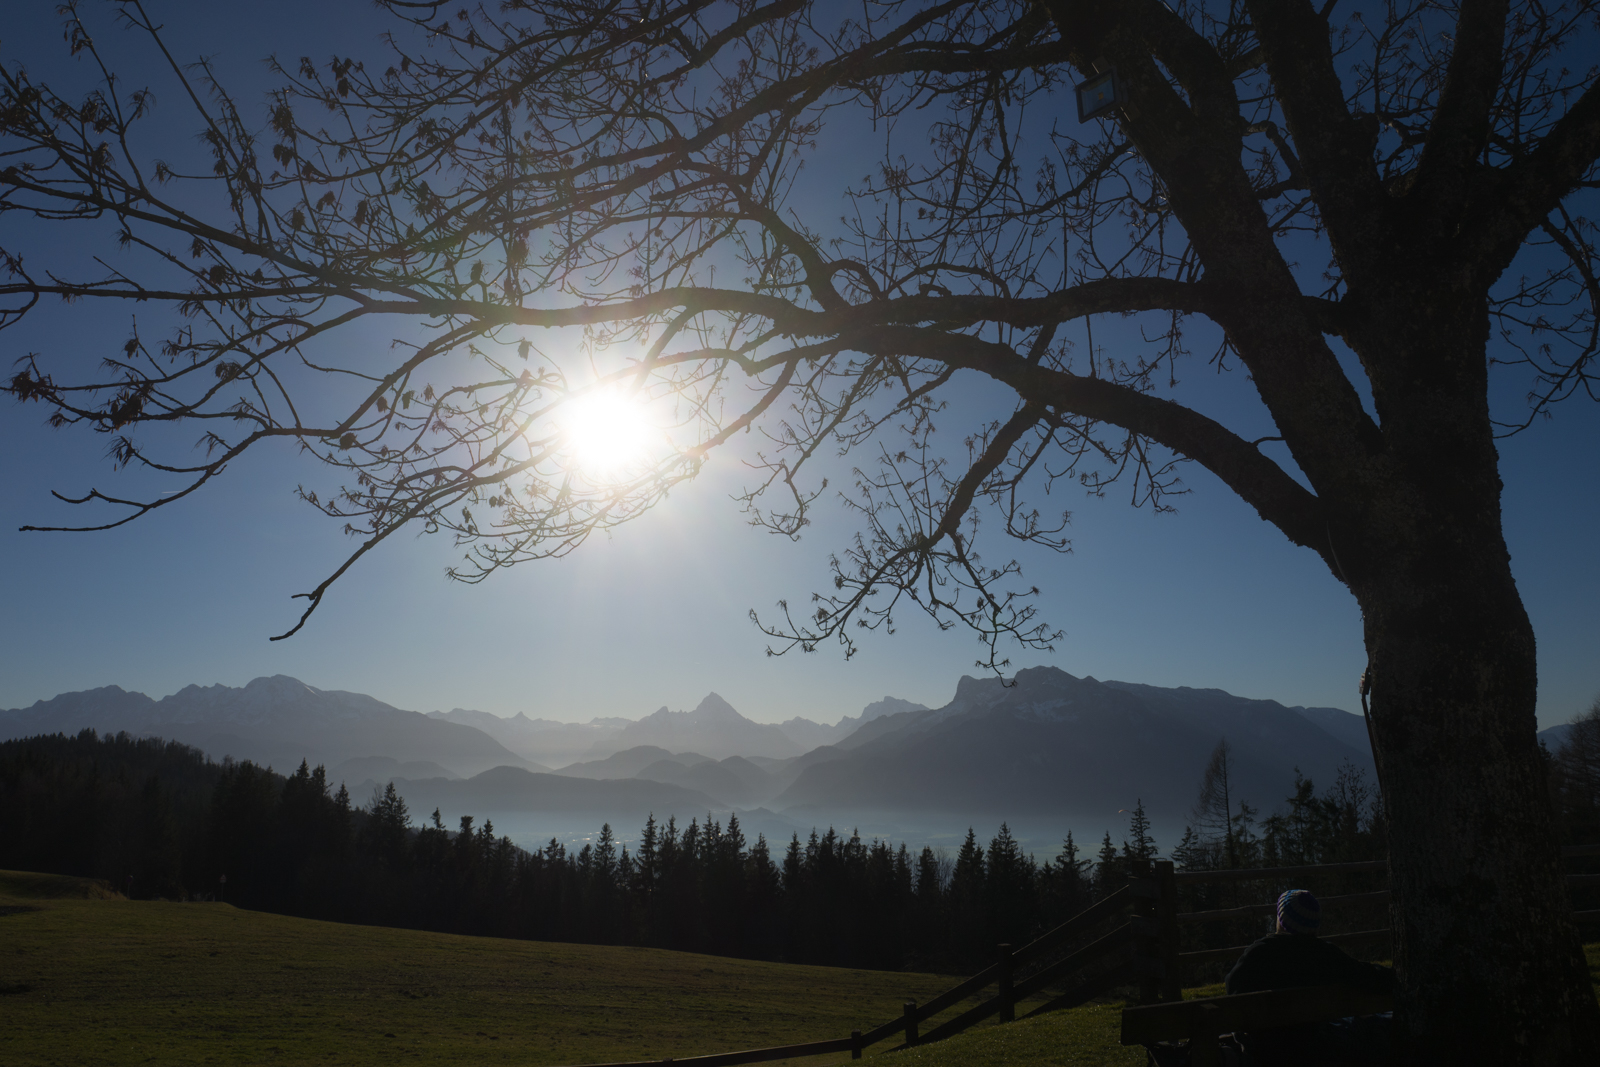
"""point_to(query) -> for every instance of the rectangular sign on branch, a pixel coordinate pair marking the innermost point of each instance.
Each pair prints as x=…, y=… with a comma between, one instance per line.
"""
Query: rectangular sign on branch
x=1099, y=95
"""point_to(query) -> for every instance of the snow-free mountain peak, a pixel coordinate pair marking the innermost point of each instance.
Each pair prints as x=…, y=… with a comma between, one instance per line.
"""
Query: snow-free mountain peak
x=713, y=708
x=714, y=728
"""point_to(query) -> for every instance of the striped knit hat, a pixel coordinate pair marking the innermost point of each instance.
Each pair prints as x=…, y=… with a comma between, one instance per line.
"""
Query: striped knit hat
x=1299, y=912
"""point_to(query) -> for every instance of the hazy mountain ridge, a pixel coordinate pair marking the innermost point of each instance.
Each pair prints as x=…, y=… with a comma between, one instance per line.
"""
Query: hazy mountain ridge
x=810, y=735
x=629, y=762
x=277, y=721
x=734, y=781
x=1071, y=747
x=544, y=741
x=563, y=744
x=713, y=727
x=512, y=789
x=1049, y=747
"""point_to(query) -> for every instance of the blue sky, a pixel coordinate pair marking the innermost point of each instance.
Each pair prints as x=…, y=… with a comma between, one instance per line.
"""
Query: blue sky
x=656, y=614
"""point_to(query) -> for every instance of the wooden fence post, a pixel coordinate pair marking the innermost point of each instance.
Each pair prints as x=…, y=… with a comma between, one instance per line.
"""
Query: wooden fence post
x=910, y=1015
x=1167, y=925
x=1008, y=1010
x=855, y=1044
x=1146, y=943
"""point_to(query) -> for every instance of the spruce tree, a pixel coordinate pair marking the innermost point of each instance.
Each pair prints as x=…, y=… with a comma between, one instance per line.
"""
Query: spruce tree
x=969, y=936
x=645, y=869
x=1141, y=846
x=1009, y=890
x=1108, y=869
x=1191, y=853
x=1066, y=888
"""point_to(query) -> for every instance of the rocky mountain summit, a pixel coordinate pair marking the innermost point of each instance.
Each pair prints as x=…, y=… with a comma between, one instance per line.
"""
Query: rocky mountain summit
x=713, y=728
x=1047, y=742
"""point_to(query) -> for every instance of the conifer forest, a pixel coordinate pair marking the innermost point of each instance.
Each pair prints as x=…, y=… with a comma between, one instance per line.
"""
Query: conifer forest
x=158, y=819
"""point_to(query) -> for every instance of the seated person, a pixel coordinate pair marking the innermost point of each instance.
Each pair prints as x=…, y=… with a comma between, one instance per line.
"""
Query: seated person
x=1294, y=956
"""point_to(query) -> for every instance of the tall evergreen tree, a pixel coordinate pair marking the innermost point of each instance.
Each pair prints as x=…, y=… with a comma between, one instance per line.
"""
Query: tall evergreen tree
x=1141, y=845
x=390, y=820
x=966, y=911
x=1109, y=870
x=1010, y=893
x=1065, y=884
x=1191, y=854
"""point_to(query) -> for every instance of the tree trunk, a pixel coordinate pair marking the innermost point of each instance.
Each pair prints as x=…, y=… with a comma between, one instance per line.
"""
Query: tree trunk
x=1490, y=961
x=1491, y=967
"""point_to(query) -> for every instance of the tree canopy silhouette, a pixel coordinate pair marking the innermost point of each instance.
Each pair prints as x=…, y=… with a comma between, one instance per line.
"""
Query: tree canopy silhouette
x=579, y=198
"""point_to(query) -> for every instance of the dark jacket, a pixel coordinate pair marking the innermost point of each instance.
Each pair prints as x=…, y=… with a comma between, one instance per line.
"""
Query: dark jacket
x=1288, y=961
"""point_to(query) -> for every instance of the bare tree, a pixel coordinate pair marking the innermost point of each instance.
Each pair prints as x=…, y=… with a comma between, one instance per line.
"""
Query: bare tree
x=1213, y=807
x=570, y=197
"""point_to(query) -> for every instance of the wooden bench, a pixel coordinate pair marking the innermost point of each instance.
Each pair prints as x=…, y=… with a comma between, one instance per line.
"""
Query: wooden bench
x=1201, y=1022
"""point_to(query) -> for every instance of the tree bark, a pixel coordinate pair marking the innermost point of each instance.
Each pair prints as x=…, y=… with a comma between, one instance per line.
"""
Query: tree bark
x=1484, y=940
x=1491, y=967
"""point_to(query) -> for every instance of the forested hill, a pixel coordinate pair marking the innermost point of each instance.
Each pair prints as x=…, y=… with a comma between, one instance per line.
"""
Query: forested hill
x=156, y=818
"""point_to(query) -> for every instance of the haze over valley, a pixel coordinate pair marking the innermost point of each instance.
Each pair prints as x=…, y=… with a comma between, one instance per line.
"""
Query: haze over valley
x=1045, y=751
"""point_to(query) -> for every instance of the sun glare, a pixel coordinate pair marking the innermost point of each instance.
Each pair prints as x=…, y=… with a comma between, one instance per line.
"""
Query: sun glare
x=608, y=433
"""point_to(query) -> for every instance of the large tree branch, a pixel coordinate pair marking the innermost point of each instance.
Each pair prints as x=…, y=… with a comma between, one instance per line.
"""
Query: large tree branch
x=1196, y=152
x=1196, y=63
x=1505, y=210
x=1461, y=123
x=989, y=461
x=1262, y=483
x=1104, y=296
x=1335, y=148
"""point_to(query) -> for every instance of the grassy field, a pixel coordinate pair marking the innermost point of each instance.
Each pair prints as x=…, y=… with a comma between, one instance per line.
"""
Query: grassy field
x=89, y=978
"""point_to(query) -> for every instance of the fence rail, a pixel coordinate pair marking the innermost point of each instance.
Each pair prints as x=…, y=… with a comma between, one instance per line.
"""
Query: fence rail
x=1206, y=955
x=1250, y=911
x=1149, y=903
x=1272, y=874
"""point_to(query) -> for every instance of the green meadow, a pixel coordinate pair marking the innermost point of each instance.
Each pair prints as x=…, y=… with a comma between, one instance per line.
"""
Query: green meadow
x=89, y=978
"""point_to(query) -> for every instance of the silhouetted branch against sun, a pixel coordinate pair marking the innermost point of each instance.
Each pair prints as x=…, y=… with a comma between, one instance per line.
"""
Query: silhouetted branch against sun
x=612, y=238
x=555, y=199
x=551, y=191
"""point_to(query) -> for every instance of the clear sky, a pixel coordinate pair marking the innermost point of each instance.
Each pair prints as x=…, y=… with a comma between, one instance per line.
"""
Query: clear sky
x=1209, y=596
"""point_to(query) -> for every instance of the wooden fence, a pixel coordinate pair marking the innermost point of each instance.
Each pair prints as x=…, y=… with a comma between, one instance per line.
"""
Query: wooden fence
x=1150, y=926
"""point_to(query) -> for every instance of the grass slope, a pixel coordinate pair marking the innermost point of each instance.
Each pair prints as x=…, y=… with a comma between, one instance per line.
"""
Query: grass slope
x=89, y=978
x=113, y=981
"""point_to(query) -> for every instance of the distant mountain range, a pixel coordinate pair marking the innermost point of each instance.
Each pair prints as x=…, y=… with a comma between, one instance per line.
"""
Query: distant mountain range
x=511, y=790
x=812, y=735
x=713, y=727
x=277, y=721
x=1045, y=746
x=1070, y=747
x=541, y=740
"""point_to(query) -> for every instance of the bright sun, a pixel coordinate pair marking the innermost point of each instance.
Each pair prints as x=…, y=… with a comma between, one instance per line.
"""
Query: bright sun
x=607, y=433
